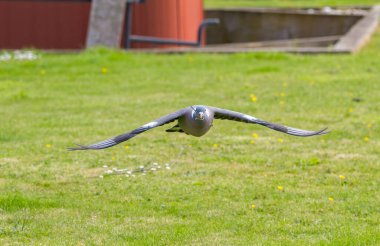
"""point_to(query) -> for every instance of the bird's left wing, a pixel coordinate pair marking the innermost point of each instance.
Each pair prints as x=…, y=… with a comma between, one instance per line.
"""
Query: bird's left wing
x=128, y=135
x=225, y=114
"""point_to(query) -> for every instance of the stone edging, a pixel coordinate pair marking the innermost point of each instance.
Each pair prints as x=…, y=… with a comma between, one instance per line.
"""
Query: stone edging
x=351, y=42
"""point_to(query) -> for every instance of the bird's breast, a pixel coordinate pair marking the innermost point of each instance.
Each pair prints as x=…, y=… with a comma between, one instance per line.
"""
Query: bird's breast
x=194, y=127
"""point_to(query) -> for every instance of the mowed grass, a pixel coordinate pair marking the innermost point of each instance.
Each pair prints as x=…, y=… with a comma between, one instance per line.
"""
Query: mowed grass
x=238, y=185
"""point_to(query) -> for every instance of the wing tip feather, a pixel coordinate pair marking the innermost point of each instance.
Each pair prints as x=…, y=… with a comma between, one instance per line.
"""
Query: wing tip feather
x=304, y=133
x=323, y=131
x=81, y=147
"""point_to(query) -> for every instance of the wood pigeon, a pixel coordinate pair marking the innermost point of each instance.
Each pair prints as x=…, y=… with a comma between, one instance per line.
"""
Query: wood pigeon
x=197, y=121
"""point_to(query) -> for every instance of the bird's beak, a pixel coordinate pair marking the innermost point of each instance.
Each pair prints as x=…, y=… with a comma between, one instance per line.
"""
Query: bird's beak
x=201, y=116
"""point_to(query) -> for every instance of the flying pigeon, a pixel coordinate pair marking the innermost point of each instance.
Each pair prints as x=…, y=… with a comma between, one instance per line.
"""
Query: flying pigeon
x=197, y=121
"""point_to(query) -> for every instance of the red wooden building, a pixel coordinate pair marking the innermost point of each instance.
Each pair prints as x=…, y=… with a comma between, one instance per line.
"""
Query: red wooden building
x=63, y=24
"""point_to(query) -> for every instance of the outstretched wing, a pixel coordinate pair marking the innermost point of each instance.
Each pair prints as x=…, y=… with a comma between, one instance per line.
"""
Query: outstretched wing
x=128, y=135
x=225, y=114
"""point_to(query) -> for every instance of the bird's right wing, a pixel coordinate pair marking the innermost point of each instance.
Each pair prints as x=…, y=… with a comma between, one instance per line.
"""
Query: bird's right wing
x=236, y=116
x=128, y=135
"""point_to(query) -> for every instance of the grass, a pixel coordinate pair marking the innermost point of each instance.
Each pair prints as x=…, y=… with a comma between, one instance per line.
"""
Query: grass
x=51, y=196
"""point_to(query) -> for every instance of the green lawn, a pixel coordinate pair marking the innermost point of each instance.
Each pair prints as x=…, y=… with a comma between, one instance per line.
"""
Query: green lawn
x=238, y=185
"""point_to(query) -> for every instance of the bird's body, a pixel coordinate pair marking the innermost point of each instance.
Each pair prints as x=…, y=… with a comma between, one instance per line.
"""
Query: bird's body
x=196, y=127
x=197, y=121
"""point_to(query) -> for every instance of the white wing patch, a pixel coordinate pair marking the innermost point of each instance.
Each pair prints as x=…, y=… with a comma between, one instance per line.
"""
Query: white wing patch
x=250, y=118
x=207, y=113
x=150, y=124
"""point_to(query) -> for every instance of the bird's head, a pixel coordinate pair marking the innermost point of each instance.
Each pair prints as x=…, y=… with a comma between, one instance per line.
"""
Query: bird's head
x=199, y=113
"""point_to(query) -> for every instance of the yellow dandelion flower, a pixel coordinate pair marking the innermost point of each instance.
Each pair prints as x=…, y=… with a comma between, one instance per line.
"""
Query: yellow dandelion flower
x=282, y=94
x=280, y=188
x=48, y=146
x=331, y=199
x=113, y=158
x=369, y=125
x=126, y=147
x=215, y=146
x=366, y=139
x=350, y=110
x=253, y=206
x=253, y=97
x=280, y=140
x=255, y=135
x=342, y=177
x=104, y=70
x=252, y=141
